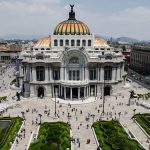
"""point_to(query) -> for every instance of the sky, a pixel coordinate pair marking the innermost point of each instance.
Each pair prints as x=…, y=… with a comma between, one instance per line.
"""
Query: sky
x=113, y=18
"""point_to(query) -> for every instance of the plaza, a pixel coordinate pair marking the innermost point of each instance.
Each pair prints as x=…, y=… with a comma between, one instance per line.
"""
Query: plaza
x=115, y=107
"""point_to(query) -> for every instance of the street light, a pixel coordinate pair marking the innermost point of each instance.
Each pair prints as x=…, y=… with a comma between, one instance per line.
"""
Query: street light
x=103, y=97
x=55, y=95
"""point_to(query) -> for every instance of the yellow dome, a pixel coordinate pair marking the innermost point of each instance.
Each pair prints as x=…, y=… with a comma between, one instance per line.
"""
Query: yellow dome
x=71, y=26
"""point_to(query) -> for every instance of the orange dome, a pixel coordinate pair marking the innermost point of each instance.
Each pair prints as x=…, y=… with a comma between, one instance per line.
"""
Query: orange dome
x=71, y=27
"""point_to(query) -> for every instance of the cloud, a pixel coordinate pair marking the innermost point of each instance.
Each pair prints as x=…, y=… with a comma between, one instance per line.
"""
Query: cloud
x=41, y=17
x=129, y=22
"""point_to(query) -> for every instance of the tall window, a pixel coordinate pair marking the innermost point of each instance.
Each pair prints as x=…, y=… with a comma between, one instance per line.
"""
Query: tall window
x=108, y=73
x=89, y=42
x=61, y=43
x=74, y=75
x=83, y=42
x=55, y=43
x=40, y=73
x=78, y=42
x=72, y=43
x=56, y=74
x=92, y=74
x=67, y=43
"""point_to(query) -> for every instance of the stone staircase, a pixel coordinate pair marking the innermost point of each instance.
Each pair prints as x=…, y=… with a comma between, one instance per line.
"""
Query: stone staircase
x=137, y=132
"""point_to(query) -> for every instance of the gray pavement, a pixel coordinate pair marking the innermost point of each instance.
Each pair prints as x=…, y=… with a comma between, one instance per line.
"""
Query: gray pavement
x=78, y=113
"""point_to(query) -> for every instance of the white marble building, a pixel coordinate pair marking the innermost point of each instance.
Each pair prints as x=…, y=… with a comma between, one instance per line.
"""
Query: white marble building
x=71, y=63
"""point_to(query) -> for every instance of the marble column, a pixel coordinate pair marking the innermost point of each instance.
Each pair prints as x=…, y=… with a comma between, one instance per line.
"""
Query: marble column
x=59, y=94
x=50, y=73
x=71, y=93
x=84, y=92
x=97, y=74
x=33, y=74
x=28, y=73
x=78, y=93
x=86, y=74
x=61, y=91
x=46, y=73
x=118, y=72
x=113, y=74
x=102, y=74
x=61, y=73
x=95, y=90
x=65, y=93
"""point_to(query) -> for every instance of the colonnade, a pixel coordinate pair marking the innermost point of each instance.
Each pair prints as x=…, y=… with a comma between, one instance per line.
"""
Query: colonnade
x=74, y=92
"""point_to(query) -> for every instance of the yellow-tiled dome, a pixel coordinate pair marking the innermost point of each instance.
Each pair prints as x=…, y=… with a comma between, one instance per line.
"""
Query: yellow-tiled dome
x=43, y=42
x=72, y=27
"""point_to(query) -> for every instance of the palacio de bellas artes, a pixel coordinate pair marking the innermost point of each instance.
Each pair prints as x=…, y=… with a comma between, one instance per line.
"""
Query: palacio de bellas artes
x=71, y=64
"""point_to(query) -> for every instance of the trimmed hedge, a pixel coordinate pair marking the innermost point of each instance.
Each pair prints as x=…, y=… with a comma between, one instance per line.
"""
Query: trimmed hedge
x=52, y=136
x=143, y=121
x=10, y=132
x=112, y=136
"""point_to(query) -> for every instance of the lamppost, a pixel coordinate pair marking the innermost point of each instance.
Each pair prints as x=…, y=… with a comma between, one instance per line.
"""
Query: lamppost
x=55, y=95
x=103, y=96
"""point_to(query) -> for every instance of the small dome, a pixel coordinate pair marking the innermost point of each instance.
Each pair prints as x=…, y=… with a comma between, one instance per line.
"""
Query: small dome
x=43, y=42
x=100, y=42
x=71, y=26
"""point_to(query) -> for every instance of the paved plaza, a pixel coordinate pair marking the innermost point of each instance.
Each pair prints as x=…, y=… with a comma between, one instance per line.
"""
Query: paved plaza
x=81, y=114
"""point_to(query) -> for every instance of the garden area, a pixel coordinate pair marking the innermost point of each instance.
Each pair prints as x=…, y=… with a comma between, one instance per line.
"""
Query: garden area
x=112, y=136
x=52, y=136
x=8, y=129
x=144, y=121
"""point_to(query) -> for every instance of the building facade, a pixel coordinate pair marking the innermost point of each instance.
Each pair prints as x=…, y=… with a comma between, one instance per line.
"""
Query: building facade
x=71, y=64
x=140, y=60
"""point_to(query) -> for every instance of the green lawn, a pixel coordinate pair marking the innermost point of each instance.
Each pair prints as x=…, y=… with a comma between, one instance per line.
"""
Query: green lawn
x=52, y=136
x=112, y=136
x=7, y=133
x=144, y=121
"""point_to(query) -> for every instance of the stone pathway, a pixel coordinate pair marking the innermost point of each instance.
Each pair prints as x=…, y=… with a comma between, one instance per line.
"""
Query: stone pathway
x=113, y=106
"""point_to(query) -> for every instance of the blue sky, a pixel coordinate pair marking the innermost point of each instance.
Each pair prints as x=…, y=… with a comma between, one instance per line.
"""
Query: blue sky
x=104, y=17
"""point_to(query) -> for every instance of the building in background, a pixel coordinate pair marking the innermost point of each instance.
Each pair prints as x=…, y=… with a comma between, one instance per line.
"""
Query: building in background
x=9, y=51
x=140, y=59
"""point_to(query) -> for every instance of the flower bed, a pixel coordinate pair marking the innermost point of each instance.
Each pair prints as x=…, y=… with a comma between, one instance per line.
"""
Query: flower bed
x=112, y=136
x=52, y=136
x=7, y=134
x=144, y=121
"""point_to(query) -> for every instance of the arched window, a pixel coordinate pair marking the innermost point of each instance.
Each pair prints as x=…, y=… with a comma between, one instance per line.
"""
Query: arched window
x=89, y=42
x=78, y=42
x=55, y=43
x=83, y=42
x=108, y=73
x=72, y=43
x=39, y=57
x=40, y=73
x=67, y=43
x=61, y=43
x=74, y=60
